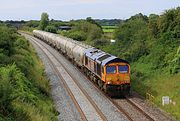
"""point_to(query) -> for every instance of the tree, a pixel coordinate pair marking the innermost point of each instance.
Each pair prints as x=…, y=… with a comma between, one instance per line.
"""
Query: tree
x=90, y=20
x=83, y=30
x=153, y=25
x=44, y=21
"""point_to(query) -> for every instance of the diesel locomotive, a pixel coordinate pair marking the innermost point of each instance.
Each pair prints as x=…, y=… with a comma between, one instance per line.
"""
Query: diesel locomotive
x=112, y=74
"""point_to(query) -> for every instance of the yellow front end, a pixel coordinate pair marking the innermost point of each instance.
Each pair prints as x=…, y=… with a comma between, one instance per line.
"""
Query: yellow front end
x=117, y=74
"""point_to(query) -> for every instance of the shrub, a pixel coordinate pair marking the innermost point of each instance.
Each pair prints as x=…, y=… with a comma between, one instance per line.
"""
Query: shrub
x=51, y=29
x=77, y=35
x=24, y=93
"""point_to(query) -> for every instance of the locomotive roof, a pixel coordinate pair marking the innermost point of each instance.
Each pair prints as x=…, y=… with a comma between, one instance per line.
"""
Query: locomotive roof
x=94, y=53
x=102, y=57
x=113, y=59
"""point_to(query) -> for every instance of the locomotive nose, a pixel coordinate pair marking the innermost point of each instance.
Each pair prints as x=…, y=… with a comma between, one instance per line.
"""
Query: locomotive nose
x=117, y=79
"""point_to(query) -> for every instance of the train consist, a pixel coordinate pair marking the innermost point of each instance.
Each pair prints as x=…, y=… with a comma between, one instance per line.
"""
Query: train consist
x=111, y=73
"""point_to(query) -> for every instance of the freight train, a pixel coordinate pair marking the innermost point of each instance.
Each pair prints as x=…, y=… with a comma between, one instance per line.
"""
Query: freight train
x=111, y=73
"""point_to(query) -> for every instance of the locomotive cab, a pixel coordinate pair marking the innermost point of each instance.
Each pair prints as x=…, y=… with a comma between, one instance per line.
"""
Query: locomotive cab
x=117, y=73
x=116, y=77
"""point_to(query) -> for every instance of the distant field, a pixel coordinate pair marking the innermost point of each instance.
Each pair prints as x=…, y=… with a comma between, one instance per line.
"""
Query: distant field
x=109, y=29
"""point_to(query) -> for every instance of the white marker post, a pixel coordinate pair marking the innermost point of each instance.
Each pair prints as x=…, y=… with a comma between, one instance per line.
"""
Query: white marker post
x=165, y=100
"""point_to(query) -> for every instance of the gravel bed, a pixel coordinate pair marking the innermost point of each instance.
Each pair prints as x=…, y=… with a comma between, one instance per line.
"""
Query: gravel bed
x=82, y=100
x=133, y=112
x=105, y=105
x=63, y=103
x=151, y=110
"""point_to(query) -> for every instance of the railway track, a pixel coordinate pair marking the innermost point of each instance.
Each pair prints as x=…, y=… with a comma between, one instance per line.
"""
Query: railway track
x=131, y=110
x=139, y=109
x=122, y=104
x=125, y=106
x=83, y=102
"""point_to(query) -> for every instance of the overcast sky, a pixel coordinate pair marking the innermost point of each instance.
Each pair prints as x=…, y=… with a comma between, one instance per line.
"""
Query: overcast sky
x=77, y=9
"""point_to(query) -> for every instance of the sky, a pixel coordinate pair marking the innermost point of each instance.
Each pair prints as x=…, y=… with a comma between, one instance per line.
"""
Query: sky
x=80, y=9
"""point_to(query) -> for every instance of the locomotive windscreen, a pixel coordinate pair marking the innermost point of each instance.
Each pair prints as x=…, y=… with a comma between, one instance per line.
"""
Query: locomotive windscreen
x=123, y=69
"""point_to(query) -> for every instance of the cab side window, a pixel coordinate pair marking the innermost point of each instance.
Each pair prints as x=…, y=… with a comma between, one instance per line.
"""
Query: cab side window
x=86, y=60
x=98, y=69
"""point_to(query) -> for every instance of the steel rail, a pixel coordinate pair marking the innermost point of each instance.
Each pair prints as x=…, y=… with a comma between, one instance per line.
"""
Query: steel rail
x=83, y=117
x=80, y=87
x=139, y=109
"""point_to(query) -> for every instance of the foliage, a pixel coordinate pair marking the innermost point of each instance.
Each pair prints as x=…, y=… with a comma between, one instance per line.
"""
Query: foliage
x=51, y=29
x=77, y=35
x=6, y=39
x=84, y=30
x=58, y=23
x=175, y=63
x=44, y=21
x=32, y=23
x=109, y=22
x=152, y=46
x=90, y=20
x=27, y=28
x=24, y=91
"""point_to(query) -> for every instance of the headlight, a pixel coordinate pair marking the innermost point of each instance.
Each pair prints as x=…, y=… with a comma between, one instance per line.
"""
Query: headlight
x=109, y=82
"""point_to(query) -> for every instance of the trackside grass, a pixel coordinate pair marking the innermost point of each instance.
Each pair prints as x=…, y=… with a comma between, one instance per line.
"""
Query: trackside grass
x=158, y=83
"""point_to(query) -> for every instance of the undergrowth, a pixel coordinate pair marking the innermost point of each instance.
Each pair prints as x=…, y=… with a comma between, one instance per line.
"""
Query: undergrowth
x=24, y=89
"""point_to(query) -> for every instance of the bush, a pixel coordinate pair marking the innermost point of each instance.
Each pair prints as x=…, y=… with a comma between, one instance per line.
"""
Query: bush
x=51, y=29
x=24, y=91
x=175, y=63
x=84, y=30
x=77, y=35
x=19, y=97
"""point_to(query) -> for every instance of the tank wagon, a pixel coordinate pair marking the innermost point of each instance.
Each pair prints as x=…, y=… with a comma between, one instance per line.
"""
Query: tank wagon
x=111, y=73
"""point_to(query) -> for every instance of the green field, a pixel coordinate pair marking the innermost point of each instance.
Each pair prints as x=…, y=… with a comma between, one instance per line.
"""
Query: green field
x=109, y=29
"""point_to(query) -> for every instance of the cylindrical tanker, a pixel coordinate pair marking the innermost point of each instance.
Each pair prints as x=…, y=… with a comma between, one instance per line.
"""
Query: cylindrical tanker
x=73, y=49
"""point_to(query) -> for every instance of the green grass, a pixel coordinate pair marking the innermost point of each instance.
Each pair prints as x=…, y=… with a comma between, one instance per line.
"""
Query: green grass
x=38, y=73
x=44, y=109
x=109, y=29
x=158, y=83
x=167, y=85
